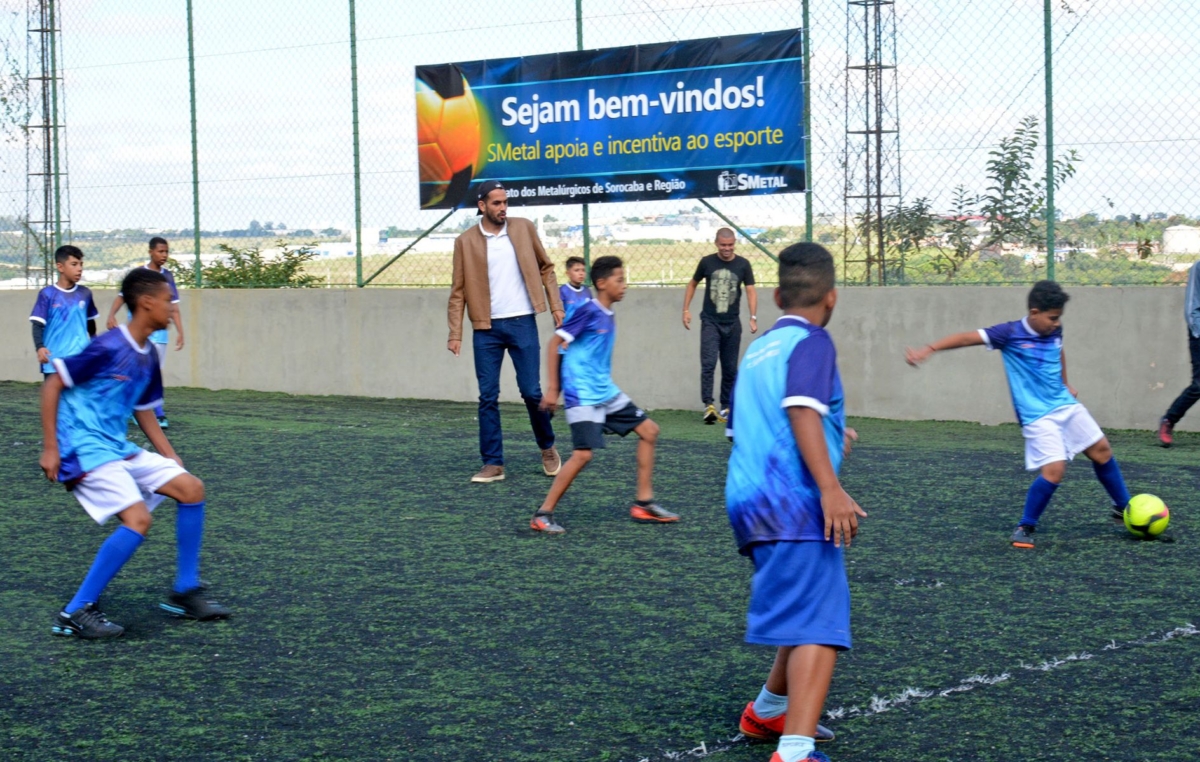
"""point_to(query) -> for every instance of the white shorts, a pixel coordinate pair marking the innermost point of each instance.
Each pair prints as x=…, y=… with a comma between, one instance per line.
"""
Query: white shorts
x=106, y=491
x=1059, y=436
x=161, y=350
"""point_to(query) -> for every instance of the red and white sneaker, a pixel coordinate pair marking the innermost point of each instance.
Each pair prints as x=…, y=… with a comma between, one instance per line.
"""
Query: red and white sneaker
x=1166, y=433
x=813, y=756
x=771, y=728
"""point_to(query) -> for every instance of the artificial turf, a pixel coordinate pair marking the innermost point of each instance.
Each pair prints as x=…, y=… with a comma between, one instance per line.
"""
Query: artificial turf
x=388, y=609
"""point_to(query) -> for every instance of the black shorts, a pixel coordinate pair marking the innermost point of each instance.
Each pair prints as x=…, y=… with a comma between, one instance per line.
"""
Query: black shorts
x=589, y=422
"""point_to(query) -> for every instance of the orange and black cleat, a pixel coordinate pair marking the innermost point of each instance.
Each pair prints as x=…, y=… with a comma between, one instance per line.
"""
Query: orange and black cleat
x=771, y=728
x=651, y=513
x=1022, y=537
x=544, y=523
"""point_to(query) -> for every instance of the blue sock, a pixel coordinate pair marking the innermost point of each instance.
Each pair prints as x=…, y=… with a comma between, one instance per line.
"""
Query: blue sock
x=1036, y=501
x=114, y=552
x=769, y=705
x=189, y=531
x=795, y=748
x=158, y=412
x=1109, y=475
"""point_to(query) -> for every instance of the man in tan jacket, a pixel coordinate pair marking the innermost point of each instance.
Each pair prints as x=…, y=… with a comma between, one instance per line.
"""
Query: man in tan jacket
x=503, y=276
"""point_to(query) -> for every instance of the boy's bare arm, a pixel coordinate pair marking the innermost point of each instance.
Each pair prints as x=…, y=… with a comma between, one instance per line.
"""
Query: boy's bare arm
x=175, y=318
x=841, y=512
x=687, y=303
x=149, y=425
x=915, y=357
x=112, y=313
x=553, y=361
x=50, y=460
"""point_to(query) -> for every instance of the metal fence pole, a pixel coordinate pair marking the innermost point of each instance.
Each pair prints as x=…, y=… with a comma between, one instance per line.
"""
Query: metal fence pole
x=199, y=276
x=587, y=233
x=807, y=94
x=1047, y=23
x=54, y=128
x=358, y=248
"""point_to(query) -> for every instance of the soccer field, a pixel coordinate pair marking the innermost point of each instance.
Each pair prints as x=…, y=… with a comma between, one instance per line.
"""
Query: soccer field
x=388, y=610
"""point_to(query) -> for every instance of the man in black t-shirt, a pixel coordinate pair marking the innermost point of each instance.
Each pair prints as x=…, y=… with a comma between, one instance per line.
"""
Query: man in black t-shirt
x=724, y=274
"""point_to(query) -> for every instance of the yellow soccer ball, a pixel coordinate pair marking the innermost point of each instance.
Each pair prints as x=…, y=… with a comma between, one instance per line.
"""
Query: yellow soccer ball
x=449, y=131
x=1146, y=516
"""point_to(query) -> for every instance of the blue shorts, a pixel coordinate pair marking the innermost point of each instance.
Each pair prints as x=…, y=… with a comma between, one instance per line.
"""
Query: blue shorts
x=799, y=595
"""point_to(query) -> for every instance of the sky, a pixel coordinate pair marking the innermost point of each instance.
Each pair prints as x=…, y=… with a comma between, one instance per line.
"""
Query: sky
x=275, y=118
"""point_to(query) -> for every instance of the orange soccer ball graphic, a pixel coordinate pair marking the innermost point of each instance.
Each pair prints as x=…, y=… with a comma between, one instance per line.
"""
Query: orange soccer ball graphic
x=449, y=131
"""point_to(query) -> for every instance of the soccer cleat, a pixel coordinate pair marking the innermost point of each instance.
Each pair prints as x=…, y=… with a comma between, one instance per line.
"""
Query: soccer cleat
x=86, y=622
x=194, y=604
x=544, y=523
x=813, y=756
x=1022, y=537
x=1166, y=433
x=723, y=416
x=652, y=514
x=489, y=474
x=1117, y=514
x=711, y=415
x=771, y=728
x=551, y=462
x=163, y=423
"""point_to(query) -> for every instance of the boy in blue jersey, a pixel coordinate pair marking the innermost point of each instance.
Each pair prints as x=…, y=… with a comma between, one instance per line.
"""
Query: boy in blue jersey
x=593, y=401
x=573, y=293
x=85, y=406
x=1055, y=425
x=64, y=315
x=160, y=252
x=788, y=510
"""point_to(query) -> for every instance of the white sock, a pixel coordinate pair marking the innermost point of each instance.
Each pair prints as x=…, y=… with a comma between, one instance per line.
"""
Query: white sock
x=795, y=748
x=769, y=705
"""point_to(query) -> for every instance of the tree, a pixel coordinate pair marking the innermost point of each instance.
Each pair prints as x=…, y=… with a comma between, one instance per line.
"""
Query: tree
x=255, y=228
x=248, y=268
x=1014, y=204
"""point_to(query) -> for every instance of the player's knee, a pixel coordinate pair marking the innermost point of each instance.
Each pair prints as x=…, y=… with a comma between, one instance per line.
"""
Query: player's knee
x=648, y=431
x=582, y=457
x=1054, y=472
x=1101, y=452
x=138, y=519
x=192, y=490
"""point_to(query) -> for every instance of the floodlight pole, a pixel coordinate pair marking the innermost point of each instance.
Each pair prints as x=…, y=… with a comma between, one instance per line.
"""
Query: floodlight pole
x=197, y=266
x=358, y=249
x=587, y=235
x=1047, y=23
x=54, y=126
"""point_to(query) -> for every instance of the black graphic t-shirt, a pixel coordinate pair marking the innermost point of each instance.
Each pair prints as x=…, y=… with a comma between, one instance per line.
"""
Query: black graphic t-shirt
x=723, y=286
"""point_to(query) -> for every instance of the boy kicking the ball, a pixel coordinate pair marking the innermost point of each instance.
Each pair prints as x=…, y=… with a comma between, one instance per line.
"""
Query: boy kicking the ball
x=85, y=407
x=1056, y=426
x=788, y=510
x=593, y=401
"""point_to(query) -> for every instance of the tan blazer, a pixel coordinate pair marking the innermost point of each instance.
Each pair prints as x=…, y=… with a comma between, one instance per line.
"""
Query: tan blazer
x=470, y=280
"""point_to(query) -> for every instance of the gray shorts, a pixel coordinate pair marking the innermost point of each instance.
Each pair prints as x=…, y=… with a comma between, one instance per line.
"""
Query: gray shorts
x=589, y=422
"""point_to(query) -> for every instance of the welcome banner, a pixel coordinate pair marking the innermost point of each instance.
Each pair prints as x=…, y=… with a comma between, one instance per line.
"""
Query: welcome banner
x=700, y=118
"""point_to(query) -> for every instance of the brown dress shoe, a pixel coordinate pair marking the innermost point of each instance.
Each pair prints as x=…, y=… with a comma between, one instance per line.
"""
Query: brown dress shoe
x=551, y=462
x=489, y=474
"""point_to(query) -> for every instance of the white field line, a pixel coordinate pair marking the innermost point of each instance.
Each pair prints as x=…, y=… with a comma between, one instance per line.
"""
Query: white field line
x=909, y=696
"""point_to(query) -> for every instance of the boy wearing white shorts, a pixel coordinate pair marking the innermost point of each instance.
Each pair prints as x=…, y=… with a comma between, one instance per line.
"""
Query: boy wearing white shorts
x=1055, y=425
x=85, y=406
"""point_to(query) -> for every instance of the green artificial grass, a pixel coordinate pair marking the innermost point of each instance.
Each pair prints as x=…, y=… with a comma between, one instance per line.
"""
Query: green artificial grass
x=386, y=609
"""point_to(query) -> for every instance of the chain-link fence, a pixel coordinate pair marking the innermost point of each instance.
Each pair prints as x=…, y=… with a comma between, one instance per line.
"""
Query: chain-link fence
x=928, y=138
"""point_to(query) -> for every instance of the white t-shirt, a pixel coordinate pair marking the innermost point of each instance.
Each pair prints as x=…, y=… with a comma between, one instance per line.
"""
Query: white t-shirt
x=510, y=297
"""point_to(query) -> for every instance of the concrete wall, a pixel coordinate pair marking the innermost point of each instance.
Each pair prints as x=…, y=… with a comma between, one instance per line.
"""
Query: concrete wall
x=1126, y=348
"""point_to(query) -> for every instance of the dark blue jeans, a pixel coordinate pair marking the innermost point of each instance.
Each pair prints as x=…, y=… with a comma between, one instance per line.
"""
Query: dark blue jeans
x=519, y=336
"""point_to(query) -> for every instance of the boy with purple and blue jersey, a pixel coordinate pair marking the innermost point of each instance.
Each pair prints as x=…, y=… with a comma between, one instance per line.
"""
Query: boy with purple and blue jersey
x=85, y=407
x=788, y=510
x=573, y=293
x=160, y=252
x=594, y=403
x=1055, y=425
x=64, y=315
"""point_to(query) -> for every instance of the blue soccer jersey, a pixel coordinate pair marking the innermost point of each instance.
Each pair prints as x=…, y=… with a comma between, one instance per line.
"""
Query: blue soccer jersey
x=104, y=383
x=571, y=298
x=65, y=313
x=161, y=336
x=587, y=364
x=769, y=493
x=1034, y=367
